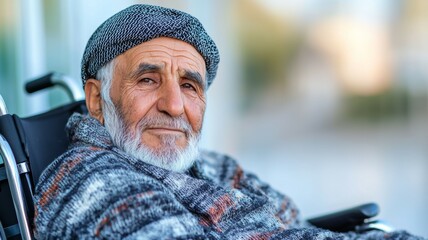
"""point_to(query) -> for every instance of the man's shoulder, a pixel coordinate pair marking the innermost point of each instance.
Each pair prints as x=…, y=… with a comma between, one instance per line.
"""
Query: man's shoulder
x=88, y=185
x=216, y=158
x=86, y=162
x=218, y=167
x=216, y=161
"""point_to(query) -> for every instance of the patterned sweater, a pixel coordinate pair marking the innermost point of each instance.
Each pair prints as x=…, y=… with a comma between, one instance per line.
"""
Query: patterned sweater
x=95, y=190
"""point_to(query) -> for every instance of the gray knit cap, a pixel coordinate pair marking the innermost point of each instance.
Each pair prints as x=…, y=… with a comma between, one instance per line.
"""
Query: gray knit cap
x=141, y=23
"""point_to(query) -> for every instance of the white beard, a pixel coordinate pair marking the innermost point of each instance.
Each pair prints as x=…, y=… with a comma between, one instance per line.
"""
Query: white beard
x=169, y=156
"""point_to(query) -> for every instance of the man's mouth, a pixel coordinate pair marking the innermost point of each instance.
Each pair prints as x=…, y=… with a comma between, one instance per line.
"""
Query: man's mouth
x=165, y=130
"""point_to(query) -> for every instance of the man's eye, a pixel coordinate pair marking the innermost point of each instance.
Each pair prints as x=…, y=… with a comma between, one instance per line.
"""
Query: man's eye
x=188, y=86
x=147, y=80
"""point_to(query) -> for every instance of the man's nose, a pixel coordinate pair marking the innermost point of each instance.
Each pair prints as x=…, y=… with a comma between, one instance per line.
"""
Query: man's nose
x=171, y=100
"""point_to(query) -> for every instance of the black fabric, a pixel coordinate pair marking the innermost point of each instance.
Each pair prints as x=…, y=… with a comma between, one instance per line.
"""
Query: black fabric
x=45, y=137
x=9, y=131
x=7, y=210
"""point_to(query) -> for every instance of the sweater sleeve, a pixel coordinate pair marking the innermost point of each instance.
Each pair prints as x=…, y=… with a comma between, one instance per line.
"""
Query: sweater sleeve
x=102, y=198
x=321, y=234
x=286, y=209
x=288, y=213
x=225, y=171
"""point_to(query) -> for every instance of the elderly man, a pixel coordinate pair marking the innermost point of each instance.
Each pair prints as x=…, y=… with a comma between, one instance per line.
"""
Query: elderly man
x=133, y=169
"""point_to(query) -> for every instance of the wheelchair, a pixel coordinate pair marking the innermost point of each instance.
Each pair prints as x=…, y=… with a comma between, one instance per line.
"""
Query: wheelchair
x=29, y=145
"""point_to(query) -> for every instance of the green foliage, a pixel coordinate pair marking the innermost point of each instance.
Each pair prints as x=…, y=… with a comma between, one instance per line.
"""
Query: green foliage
x=392, y=104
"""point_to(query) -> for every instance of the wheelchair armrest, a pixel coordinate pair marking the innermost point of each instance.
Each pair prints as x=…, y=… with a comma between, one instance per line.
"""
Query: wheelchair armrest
x=346, y=220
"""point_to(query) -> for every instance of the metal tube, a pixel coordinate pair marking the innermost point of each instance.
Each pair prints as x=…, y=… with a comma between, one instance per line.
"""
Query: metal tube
x=73, y=89
x=3, y=109
x=15, y=187
x=375, y=225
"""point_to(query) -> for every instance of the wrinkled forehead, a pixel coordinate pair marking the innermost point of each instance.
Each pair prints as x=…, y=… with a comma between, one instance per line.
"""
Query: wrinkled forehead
x=165, y=49
x=163, y=55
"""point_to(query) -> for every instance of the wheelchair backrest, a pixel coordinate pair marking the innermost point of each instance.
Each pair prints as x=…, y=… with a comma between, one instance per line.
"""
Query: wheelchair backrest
x=45, y=137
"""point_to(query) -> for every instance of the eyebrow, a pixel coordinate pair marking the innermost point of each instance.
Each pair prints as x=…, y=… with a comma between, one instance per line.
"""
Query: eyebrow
x=145, y=68
x=195, y=77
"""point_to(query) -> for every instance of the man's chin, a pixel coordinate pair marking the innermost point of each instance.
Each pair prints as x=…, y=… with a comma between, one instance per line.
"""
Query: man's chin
x=166, y=157
x=165, y=152
x=173, y=162
x=165, y=144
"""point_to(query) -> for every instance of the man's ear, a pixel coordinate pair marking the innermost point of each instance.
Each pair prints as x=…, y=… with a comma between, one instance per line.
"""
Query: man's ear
x=93, y=99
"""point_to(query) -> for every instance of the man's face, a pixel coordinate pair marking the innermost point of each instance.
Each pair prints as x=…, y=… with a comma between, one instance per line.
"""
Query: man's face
x=158, y=90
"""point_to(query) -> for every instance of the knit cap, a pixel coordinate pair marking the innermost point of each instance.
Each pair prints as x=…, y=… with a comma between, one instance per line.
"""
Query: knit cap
x=141, y=23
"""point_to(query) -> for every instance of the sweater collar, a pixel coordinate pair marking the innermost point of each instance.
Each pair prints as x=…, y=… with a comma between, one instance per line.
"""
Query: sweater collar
x=86, y=129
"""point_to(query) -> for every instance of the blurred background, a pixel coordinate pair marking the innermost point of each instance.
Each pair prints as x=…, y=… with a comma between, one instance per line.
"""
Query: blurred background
x=326, y=100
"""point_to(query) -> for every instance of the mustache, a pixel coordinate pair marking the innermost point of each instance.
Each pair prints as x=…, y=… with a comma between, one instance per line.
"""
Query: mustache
x=179, y=123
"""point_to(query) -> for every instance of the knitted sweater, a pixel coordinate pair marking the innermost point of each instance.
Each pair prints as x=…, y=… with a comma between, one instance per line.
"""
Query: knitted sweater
x=95, y=190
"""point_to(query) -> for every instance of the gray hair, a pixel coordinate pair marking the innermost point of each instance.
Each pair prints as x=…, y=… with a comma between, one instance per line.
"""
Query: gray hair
x=105, y=75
